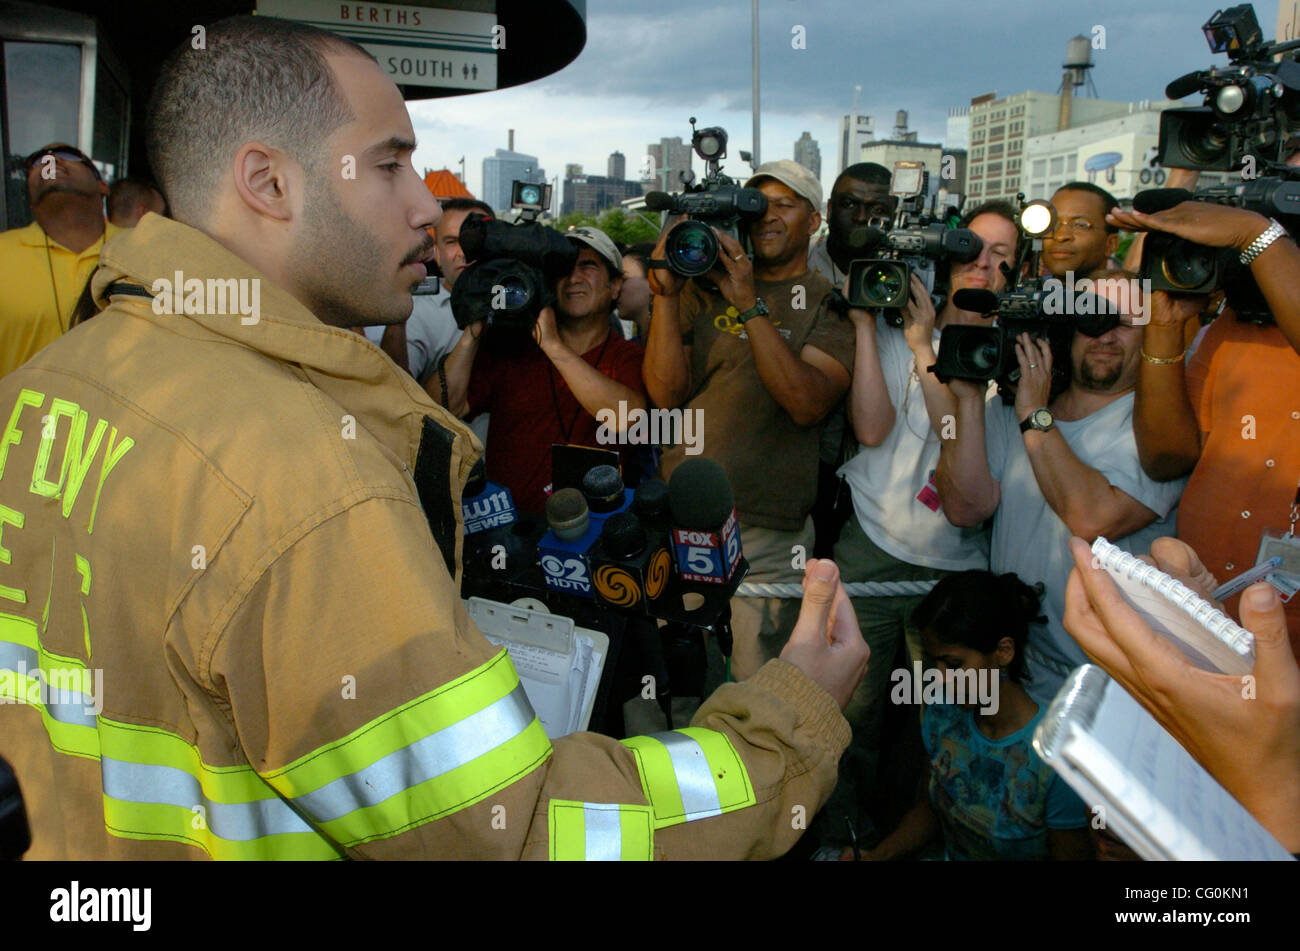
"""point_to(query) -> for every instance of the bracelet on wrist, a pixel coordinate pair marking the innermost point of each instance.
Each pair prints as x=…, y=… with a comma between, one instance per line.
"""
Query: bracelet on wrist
x=1163, y=361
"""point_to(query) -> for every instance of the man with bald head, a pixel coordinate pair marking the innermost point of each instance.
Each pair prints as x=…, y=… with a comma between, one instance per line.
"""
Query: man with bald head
x=231, y=531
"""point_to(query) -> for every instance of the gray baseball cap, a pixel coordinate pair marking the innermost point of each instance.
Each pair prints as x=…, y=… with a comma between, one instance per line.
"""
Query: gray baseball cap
x=792, y=175
x=599, y=242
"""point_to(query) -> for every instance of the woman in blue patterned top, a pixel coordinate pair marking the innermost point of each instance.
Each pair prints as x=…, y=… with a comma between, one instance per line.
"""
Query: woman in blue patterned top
x=987, y=792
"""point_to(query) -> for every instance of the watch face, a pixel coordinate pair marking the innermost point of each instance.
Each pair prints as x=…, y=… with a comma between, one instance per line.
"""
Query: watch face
x=1042, y=418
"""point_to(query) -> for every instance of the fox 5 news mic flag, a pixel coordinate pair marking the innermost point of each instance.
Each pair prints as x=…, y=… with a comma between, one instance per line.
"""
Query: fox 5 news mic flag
x=705, y=534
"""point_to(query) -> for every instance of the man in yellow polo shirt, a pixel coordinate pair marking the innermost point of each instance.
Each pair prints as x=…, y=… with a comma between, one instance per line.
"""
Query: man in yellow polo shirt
x=45, y=266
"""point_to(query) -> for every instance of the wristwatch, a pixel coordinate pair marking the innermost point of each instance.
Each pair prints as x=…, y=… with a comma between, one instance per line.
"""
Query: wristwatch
x=1040, y=419
x=760, y=309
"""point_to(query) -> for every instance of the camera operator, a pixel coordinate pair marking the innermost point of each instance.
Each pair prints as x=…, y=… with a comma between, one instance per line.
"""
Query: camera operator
x=1083, y=239
x=765, y=360
x=1229, y=414
x=860, y=193
x=897, y=531
x=550, y=393
x=1046, y=472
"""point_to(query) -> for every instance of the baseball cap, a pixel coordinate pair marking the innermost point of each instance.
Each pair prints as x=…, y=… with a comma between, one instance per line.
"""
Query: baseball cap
x=599, y=242
x=792, y=175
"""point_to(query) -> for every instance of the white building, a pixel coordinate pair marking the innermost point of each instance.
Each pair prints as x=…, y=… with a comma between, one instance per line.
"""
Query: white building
x=957, y=135
x=855, y=130
x=999, y=128
x=1117, y=154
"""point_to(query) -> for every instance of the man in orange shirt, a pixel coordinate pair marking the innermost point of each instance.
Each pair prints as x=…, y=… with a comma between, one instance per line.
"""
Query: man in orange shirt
x=1231, y=415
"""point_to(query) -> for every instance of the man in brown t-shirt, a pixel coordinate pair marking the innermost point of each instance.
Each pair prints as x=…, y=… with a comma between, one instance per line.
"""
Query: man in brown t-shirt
x=765, y=361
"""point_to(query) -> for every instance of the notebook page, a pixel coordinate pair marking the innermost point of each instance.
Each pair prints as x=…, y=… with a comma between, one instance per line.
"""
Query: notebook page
x=1160, y=786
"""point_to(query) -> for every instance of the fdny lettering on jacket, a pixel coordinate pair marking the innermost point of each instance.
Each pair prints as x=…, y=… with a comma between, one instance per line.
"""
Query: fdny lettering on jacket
x=83, y=447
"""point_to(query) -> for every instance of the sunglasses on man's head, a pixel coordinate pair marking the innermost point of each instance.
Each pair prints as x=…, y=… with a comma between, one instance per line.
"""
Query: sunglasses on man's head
x=67, y=155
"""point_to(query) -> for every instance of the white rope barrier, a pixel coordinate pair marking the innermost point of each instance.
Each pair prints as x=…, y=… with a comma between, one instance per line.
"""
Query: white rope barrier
x=857, y=589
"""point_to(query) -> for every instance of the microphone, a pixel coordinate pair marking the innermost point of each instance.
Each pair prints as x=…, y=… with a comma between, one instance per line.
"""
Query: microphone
x=1184, y=86
x=865, y=238
x=485, y=504
x=658, y=201
x=630, y=565
x=603, y=489
x=705, y=534
x=976, y=299
x=563, y=549
x=1155, y=200
x=651, y=504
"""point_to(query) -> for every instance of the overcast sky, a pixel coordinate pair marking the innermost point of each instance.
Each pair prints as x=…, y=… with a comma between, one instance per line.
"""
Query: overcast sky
x=649, y=65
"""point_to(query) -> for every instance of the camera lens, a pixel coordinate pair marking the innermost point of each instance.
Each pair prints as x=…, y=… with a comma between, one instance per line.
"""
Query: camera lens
x=1187, y=266
x=531, y=195
x=982, y=358
x=1205, y=145
x=883, y=285
x=691, y=249
x=516, y=292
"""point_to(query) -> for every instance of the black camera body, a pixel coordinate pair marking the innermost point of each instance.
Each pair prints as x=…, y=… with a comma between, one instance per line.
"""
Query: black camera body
x=916, y=241
x=1249, y=120
x=511, y=278
x=691, y=248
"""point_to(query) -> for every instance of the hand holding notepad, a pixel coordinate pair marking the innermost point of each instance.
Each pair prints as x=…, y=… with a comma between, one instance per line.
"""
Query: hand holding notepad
x=1244, y=729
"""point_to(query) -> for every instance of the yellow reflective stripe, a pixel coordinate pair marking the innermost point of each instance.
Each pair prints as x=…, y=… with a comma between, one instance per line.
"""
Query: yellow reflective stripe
x=68, y=725
x=691, y=774
x=174, y=823
x=597, y=831
x=435, y=755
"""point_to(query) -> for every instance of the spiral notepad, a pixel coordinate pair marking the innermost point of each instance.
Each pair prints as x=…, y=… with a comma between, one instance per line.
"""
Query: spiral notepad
x=1210, y=639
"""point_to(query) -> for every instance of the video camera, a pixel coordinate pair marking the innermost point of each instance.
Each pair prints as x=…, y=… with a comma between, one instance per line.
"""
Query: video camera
x=1045, y=308
x=691, y=248
x=513, y=270
x=1248, y=123
x=916, y=240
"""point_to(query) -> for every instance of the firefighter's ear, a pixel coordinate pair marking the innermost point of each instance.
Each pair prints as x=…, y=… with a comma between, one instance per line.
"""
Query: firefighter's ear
x=267, y=180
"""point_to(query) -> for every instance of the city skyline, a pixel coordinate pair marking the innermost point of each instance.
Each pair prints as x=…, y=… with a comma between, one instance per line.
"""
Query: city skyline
x=643, y=74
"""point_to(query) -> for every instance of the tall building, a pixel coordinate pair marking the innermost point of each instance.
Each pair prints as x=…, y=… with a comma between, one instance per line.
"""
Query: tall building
x=592, y=194
x=669, y=158
x=503, y=168
x=616, y=167
x=957, y=135
x=856, y=130
x=999, y=128
x=808, y=154
x=572, y=171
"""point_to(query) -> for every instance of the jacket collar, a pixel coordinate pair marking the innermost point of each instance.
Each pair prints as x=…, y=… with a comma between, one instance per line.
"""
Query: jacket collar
x=360, y=377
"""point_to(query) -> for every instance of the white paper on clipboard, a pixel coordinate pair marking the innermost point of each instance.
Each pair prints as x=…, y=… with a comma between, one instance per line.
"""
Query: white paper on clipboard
x=559, y=664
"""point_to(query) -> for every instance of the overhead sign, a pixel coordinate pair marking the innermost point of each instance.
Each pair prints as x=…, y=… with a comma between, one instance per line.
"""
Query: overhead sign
x=416, y=46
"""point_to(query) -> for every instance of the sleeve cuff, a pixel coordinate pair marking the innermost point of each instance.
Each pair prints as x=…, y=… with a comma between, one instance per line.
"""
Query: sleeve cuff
x=813, y=704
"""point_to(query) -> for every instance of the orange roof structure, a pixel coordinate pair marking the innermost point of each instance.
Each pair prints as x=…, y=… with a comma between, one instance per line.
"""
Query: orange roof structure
x=444, y=184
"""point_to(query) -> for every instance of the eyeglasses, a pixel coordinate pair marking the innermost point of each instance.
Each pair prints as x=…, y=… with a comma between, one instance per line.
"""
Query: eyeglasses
x=1075, y=225
x=66, y=154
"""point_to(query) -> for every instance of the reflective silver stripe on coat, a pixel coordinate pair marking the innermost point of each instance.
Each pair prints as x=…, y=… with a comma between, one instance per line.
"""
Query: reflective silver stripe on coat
x=694, y=776
x=167, y=785
x=436, y=754
x=66, y=706
x=604, y=831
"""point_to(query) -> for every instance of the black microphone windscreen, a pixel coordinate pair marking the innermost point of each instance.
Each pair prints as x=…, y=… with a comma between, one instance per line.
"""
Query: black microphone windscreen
x=1184, y=86
x=658, y=201
x=700, y=495
x=865, y=238
x=650, y=500
x=976, y=299
x=1158, y=199
x=623, y=536
x=603, y=487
